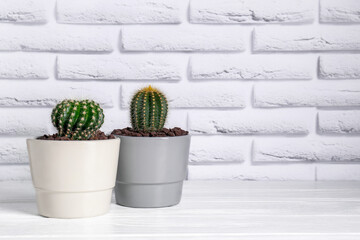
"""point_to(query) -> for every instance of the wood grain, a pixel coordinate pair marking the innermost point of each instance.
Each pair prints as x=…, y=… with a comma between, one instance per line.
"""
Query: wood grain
x=209, y=210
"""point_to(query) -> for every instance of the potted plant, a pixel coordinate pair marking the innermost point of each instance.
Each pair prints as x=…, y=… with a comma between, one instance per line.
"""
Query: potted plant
x=74, y=171
x=153, y=160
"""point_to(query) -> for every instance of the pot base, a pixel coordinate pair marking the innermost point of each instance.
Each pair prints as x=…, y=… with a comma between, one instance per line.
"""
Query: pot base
x=73, y=204
x=148, y=195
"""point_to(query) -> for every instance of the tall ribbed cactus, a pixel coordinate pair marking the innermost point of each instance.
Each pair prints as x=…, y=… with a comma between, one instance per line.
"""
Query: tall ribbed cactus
x=77, y=120
x=148, y=110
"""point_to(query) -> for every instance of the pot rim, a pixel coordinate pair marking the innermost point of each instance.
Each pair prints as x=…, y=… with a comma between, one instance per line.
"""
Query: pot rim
x=72, y=141
x=154, y=138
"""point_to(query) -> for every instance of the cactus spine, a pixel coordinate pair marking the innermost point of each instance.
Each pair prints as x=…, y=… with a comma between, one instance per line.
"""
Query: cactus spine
x=149, y=109
x=77, y=120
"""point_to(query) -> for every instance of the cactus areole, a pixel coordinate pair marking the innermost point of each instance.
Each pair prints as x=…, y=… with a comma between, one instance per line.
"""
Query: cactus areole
x=77, y=120
x=148, y=109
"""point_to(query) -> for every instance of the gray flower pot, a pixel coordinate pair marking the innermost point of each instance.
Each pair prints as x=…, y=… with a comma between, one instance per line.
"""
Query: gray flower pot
x=151, y=171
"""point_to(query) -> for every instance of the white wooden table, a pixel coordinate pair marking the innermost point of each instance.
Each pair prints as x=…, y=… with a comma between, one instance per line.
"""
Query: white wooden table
x=216, y=210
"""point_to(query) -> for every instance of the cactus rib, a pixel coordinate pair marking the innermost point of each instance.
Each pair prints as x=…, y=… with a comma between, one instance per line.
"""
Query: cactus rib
x=148, y=110
x=77, y=120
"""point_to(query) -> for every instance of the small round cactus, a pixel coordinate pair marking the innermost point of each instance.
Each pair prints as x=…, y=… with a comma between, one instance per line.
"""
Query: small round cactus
x=77, y=120
x=149, y=109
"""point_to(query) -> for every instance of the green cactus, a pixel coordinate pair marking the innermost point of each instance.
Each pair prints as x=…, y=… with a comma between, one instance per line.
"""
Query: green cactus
x=149, y=109
x=77, y=120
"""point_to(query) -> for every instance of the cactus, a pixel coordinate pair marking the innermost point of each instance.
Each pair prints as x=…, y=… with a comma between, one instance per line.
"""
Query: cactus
x=149, y=109
x=77, y=120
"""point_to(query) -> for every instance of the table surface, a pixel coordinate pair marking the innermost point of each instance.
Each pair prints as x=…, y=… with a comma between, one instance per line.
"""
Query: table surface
x=216, y=210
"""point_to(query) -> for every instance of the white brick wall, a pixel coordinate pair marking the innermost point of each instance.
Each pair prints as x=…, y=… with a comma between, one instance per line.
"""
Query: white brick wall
x=320, y=94
x=54, y=39
x=24, y=122
x=127, y=67
x=339, y=122
x=23, y=11
x=269, y=89
x=335, y=11
x=20, y=66
x=249, y=122
x=300, y=150
x=193, y=95
x=252, y=11
x=301, y=39
x=339, y=67
x=118, y=12
x=13, y=150
x=217, y=67
x=48, y=94
x=178, y=38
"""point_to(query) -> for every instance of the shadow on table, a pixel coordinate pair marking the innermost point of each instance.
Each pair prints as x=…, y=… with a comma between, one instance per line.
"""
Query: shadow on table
x=19, y=199
x=28, y=208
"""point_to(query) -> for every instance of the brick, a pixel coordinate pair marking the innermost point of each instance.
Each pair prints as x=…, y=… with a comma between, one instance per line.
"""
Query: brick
x=19, y=172
x=245, y=172
x=193, y=95
x=119, y=68
x=23, y=11
x=114, y=119
x=25, y=122
x=249, y=122
x=49, y=94
x=118, y=12
x=54, y=39
x=205, y=149
x=297, y=39
x=13, y=150
x=338, y=172
x=335, y=11
x=23, y=66
x=306, y=95
x=306, y=150
x=250, y=67
x=339, y=122
x=340, y=67
x=177, y=118
x=188, y=39
x=252, y=11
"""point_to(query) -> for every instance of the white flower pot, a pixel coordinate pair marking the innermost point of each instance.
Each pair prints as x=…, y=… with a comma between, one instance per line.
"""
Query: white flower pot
x=73, y=179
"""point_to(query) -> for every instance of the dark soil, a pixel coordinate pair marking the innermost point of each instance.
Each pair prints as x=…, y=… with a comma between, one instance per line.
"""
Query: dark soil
x=165, y=132
x=99, y=136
